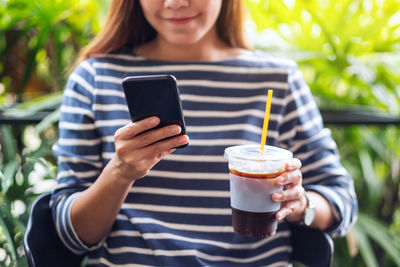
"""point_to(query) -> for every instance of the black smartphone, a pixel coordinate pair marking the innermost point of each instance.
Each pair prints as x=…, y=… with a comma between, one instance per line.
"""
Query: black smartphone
x=154, y=95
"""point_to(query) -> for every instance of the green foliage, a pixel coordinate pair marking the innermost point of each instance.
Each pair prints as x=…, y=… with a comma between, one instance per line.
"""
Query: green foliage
x=380, y=233
x=23, y=175
x=349, y=52
x=39, y=41
x=34, y=105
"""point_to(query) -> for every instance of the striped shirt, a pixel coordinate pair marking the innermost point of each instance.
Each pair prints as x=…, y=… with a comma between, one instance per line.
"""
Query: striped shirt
x=180, y=214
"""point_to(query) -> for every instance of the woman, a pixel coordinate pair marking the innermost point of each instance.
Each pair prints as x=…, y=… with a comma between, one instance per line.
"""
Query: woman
x=131, y=198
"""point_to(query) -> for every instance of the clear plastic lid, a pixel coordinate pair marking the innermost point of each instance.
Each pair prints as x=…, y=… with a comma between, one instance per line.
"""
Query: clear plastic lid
x=253, y=153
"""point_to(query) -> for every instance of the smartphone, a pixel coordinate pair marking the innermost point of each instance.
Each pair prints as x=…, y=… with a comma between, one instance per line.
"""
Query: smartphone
x=154, y=95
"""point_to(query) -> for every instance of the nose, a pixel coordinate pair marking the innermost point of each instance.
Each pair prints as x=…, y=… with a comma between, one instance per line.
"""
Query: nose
x=175, y=4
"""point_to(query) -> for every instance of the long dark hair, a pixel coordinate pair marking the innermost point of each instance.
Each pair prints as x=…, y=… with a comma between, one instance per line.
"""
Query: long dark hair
x=125, y=24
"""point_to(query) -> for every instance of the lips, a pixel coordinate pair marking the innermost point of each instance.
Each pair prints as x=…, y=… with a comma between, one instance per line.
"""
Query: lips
x=180, y=20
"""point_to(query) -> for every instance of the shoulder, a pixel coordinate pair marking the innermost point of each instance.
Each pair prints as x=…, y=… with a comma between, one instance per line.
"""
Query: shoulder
x=84, y=68
x=99, y=66
x=258, y=58
x=122, y=57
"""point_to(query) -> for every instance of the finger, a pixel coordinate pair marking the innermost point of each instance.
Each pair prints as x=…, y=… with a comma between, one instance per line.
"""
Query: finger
x=150, y=162
x=132, y=129
x=153, y=136
x=287, y=209
x=163, y=154
x=294, y=193
x=140, y=166
x=293, y=164
x=159, y=147
x=291, y=177
x=151, y=155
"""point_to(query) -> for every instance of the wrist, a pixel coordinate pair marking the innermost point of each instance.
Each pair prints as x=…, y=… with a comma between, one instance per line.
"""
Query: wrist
x=297, y=215
x=119, y=172
x=309, y=212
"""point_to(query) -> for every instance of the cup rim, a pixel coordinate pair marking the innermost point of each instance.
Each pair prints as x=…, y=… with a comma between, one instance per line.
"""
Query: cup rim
x=252, y=152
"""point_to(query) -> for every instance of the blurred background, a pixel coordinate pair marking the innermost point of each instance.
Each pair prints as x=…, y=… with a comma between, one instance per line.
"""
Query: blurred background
x=349, y=52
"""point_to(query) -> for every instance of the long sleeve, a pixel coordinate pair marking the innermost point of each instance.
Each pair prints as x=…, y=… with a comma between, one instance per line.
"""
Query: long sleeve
x=78, y=152
x=302, y=132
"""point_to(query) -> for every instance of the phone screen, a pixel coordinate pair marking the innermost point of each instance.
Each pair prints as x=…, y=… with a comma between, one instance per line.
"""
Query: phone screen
x=154, y=95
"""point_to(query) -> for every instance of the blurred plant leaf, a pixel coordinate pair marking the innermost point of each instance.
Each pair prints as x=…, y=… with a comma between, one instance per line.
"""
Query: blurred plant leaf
x=9, y=171
x=374, y=142
x=31, y=61
x=7, y=234
x=369, y=173
x=50, y=170
x=381, y=234
x=8, y=143
x=35, y=105
x=48, y=121
x=365, y=248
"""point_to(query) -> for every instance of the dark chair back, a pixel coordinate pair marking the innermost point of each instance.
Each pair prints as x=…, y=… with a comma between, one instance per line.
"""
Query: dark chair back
x=43, y=248
x=311, y=247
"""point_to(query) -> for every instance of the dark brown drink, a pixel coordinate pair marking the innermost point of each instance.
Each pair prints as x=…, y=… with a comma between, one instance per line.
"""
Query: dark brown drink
x=255, y=224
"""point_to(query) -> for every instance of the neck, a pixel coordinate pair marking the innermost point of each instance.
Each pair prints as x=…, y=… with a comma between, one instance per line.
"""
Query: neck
x=203, y=50
x=195, y=52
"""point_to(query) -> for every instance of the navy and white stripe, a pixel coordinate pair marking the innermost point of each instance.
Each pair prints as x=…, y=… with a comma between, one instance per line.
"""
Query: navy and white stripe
x=180, y=214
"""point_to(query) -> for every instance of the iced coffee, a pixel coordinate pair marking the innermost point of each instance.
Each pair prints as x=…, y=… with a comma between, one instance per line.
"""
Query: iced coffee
x=252, y=183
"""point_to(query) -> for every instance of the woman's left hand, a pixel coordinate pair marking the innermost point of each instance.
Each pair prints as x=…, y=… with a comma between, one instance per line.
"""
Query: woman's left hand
x=292, y=197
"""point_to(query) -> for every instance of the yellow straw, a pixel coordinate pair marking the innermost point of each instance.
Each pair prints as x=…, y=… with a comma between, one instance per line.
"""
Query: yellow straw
x=266, y=120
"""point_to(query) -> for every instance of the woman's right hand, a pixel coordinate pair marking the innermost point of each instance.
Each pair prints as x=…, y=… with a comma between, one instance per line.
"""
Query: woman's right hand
x=93, y=212
x=137, y=152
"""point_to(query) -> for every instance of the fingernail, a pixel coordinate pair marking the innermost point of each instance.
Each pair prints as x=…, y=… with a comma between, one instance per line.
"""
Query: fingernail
x=278, y=196
x=154, y=121
x=175, y=129
x=289, y=165
x=183, y=139
x=281, y=180
x=293, y=164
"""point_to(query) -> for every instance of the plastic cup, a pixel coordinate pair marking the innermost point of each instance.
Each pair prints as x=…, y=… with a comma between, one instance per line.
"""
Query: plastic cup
x=252, y=182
